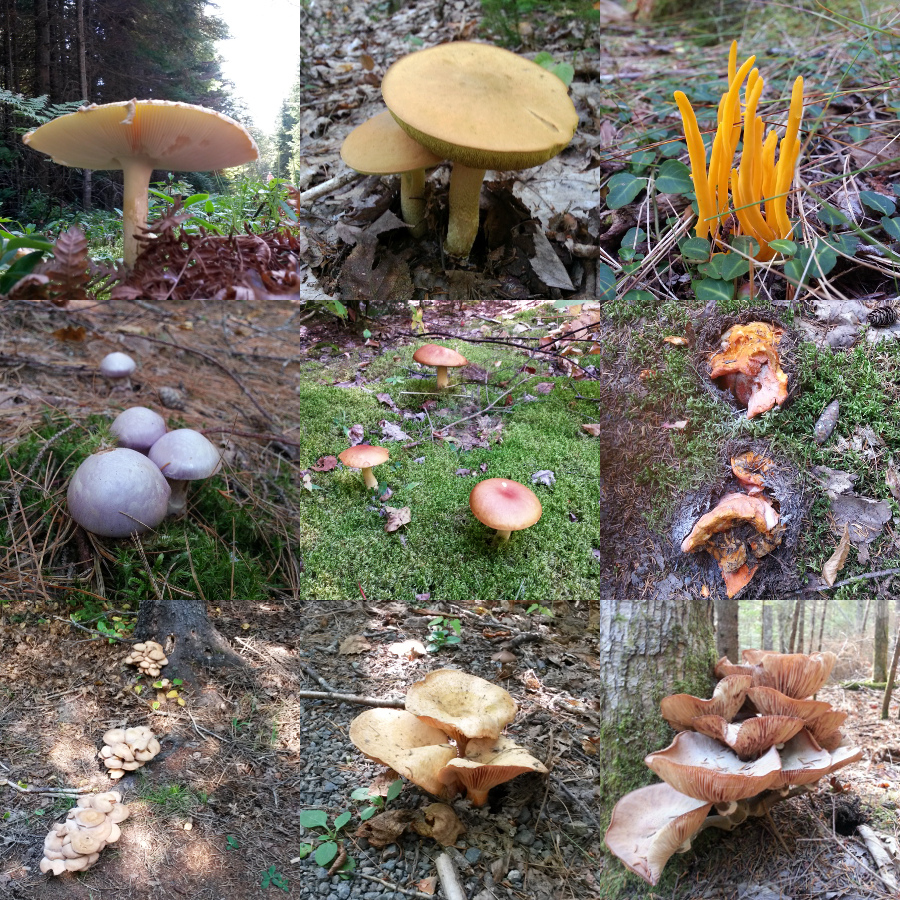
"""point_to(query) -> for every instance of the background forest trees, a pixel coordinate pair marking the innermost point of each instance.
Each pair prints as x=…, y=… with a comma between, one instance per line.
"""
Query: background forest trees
x=59, y=52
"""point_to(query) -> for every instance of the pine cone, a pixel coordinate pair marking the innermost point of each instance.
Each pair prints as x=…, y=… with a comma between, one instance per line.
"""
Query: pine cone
x=882, y=317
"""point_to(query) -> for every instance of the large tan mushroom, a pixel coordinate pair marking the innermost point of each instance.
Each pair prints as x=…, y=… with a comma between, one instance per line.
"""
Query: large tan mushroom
x=487, y=763
x=650, y=824
x=410, y=746
x=148, y=656
x=462, y=706
x=504, y=504
x=796, y=675
x=751, y=737
x=483, y=108
x=441, y=358
x=127, y=749
x=364, y=457
x=381, y=147
x=138, y=136
x=680, y=709
x=700, y=767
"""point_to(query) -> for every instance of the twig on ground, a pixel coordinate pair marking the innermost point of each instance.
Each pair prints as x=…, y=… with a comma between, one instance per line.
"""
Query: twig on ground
x=558, y=784
x=318, y=678
x=865, y=576
x=275, y=438
x=102, y=634
x=326, y=187
x=45, y=789
x=349, y=698
x=201, y=730
x=450, y=883
x=410, y=892
x=877, y=851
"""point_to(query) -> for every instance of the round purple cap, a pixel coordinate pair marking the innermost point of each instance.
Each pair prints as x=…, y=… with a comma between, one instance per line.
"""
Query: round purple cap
x=138, y=428
x=117, y=365
x=185, y=454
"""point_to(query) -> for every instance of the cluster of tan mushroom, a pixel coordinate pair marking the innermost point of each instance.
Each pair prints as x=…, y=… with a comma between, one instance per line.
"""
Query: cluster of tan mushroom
x=756, y=742
x=76, y=844
x=496, y=110
x=448, y=737
x=149, y=657
x=127, y=749
x=742, y=527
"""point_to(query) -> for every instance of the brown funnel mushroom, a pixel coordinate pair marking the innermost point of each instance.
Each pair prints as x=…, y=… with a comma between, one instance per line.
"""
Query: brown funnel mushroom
x=650, y=824
x=483, y=108
x=441, y=358
x=796, y=675
x=748, y=365
x=410, y=746
x=365, y=457
x=803, y=761
x=770, y=702
x=138, y=136
x=680, y=709
x=700, y=767
x=504, y=504
x=487, y=763
x=751, y=737
x=381, y=147
x=462, y=706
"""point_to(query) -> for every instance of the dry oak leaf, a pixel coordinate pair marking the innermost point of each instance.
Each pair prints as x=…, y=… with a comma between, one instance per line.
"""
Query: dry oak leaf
x=397, y=517
x=427, y=885
x=410, y=649
x=676, y=341
x=440, y=822
x=354, y=643
x=592, y=428
x=838, y=558
x=387, y=827
x=748, y=365
x=324, y=464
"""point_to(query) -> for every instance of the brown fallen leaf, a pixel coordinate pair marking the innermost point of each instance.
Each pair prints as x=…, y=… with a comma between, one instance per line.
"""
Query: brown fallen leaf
x=892, y=480
x=440, y=823
x=680, y=425
x=427, y=885
x=387, y=827
x=592, y=428
x=354, y=643
x=837, y=559
x=324, y=464
x=397, y=517
x=409, y=649
x=544, y=387
x=70, y=333
x=676, y=341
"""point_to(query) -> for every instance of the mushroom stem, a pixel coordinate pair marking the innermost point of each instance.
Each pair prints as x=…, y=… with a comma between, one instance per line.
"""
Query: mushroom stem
x=178, y=498
x=478, y=798
x=465, y=193
x=137, y=174
x=502, y=536
x=370, y=480
x=412, y=200
x=442, y=380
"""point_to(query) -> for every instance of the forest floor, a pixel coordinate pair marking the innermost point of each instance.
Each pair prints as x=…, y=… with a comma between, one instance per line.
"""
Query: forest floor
x=313, y=591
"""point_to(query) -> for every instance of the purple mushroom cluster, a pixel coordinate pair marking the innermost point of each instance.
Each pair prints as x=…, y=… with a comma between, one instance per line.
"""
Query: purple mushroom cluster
x=130, y=489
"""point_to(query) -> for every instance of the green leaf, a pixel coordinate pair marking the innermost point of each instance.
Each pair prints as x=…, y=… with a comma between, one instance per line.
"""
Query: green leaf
x=674, y=177
x=642, y=159
x=194, y=199
x=606, y=283
x=455, y=625
x=713, y=290
x=783, y=246
x=342, y=820
x=304, y=850
x=232, y=842
x=28, y=243
x=544, y=59
x=746, y=245
x=313, y=818
x=734, y=266
x=640, y=299
x=564, y=72
x=177, y=682
x=696, y=249
x=814, y=264
x=878, y=202
x=348, y=866
x=361, y=794
x=367, y=813
x=713, y=268
x=858, y=132
x=326, y=852
x=633, y=237
x=623, y=188
x=892, y=227
x=394, y=790
x=847, y=244
x=19, y=269
x=672, y=149
x=831, y=217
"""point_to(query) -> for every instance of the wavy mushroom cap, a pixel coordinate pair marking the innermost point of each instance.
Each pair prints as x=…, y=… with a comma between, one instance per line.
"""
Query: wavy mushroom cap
x=186, y=455
x=480, y=105
x=751, y=737
x=700, y=767
x=381, y=147
x=796, y=675
x=438, y=355
x=504, y=504
x=803, y=761
x=770, y=702
x=731, y=510
x=117, y=365
x=650, y=824
x=728, y=697
x=138, y=428
x=411, y=747
x=117, y=493
x=364, y=456
x=463, y=706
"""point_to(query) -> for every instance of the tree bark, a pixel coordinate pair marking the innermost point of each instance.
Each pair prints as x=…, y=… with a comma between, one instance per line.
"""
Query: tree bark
x=798, y=606
x=784, y=630
x=880, y=658
x=767, y=626
x=892, y=674
x=727, y=623
x=86, y=200
x=41, y=48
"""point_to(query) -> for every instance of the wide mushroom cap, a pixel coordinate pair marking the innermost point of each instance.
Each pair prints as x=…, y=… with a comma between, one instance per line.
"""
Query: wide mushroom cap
x=381, y=147
x=138, y=428
x=363, y=456
x=461, y=705
x=117, y=493
x=117, y=365
x=504, y=504
x=751, y=737
x=680, y=709
x=437, y=355
x=480, y=105
x=186, y=455
x=650, y=824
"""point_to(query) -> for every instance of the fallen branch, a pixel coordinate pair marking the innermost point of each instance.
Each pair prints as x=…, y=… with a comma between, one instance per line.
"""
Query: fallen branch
x=866, y=576
x=450, y=883
x=102, y=634
x=878, y=852
x=326, y=187
x=349, y=698
x=410, y=892
x=49, y=789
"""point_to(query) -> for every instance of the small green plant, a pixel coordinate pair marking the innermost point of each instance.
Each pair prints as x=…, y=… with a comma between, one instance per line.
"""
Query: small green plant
x=375, y=802
x=273, y=878
x=329, y=848
x=536, y=608
x=443, y=632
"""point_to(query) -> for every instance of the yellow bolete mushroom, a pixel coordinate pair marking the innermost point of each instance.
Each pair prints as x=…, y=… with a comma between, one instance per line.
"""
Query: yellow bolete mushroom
x=483, y=108
x=381, y=147
x=504, y=504
x=138, y=136
x=441, y=358
x=364, y=457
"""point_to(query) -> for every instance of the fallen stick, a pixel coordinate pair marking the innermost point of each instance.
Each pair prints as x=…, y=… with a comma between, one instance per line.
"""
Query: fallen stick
x=49, y=789
x=326, y=187
x=886, y=869
x=349, y=698
x=450, y=883
x=410, y=892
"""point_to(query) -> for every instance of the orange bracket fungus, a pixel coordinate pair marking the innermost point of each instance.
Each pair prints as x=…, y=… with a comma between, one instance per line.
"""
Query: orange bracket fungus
x=759, y=748
x=748, y=365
